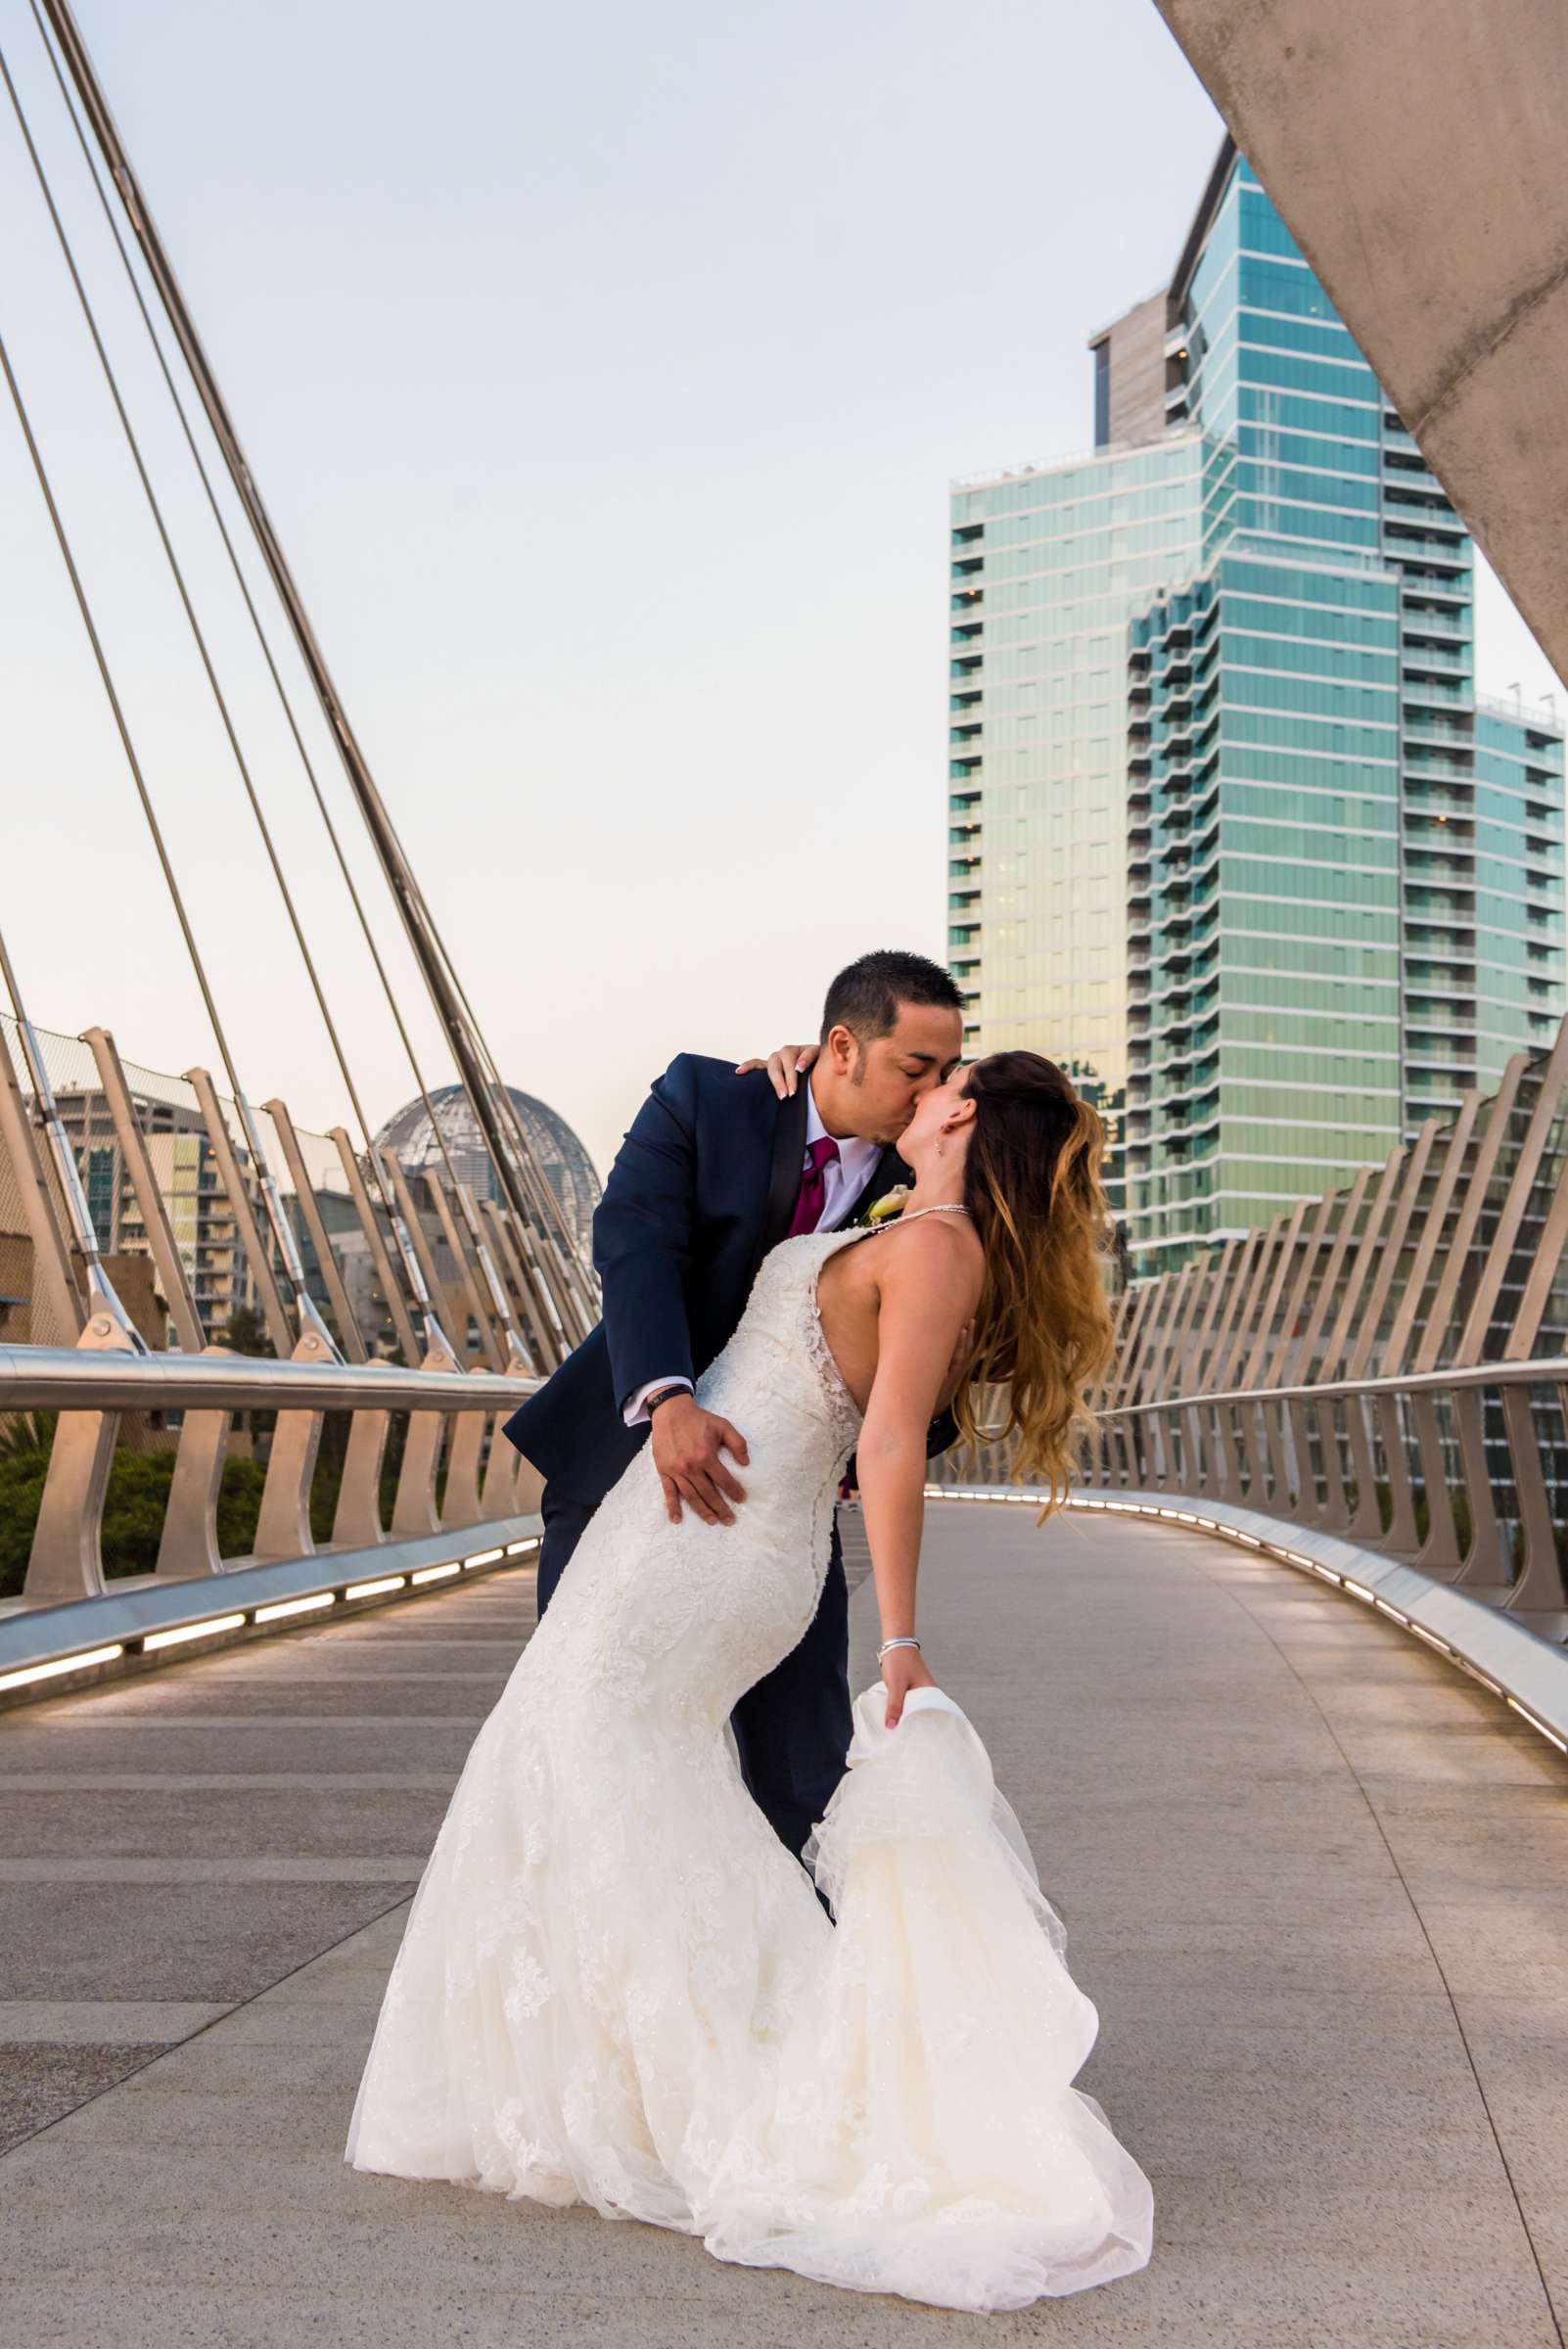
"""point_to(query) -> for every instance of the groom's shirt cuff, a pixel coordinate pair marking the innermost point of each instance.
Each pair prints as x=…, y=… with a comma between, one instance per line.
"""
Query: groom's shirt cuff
x=636, y=1411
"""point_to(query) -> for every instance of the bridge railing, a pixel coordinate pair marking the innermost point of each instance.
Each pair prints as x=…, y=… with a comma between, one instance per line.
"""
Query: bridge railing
x=1386, y=1365
x=458, y=1499
x=199, y=1309
x=454, y=1469
x=1457, y=1472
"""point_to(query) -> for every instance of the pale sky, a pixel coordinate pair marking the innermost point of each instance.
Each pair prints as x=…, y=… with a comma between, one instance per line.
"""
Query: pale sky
x=604, y=370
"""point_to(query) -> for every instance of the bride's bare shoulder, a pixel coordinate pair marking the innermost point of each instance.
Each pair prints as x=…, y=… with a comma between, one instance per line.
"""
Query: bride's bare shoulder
x=930, y=1248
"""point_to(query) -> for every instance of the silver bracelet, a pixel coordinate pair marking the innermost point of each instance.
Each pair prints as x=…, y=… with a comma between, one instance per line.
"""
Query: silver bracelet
x=903, y=1641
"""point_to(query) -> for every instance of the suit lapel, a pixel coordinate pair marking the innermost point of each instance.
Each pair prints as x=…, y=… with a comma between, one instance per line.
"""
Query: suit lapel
x=784, y=1178
x=784, y=1174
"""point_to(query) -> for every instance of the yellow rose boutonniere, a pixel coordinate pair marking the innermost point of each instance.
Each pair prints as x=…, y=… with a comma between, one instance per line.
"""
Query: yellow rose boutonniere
x=891, y=1204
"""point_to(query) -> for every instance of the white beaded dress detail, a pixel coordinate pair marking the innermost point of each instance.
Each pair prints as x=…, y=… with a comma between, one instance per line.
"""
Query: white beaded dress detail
x=615, y=1986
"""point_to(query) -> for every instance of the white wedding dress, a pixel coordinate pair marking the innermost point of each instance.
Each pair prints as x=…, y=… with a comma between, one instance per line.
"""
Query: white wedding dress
x=615, y=1986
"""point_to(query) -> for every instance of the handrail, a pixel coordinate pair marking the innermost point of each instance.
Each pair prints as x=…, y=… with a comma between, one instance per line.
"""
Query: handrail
x=141, y=1619
x=50, y=1377
x=1551, y=1371
x=1416, y=1465
x=456, y=1471
x=1417, y=1312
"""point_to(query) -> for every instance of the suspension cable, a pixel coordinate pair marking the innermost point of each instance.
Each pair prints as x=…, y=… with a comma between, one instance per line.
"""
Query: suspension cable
x=293, y=1266
x=116, y=706
x=376, y=1171
x=288, y=1244
x=537, y=1188
x=68, y=1174
x=546, y=1206
x=404, y=888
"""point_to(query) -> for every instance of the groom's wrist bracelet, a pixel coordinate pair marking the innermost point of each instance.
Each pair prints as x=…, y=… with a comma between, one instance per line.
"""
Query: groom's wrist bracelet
x=902, y=1642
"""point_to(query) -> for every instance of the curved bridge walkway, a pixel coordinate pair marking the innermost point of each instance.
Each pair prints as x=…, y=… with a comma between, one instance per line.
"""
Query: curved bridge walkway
x=1317, y=1882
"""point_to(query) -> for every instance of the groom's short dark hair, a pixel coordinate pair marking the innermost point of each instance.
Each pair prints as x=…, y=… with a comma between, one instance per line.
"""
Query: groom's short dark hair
x=866, y=994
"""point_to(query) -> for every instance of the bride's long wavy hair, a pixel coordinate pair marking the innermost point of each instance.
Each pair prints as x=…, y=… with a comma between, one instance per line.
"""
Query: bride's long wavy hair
x=1042, y=1328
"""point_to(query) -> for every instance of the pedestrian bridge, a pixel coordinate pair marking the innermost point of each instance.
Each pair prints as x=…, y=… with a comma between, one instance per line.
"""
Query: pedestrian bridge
x=1282, y=1703
x=1315, y=1878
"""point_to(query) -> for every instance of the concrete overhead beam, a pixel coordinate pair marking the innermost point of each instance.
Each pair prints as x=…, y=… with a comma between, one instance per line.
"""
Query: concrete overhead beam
x=1417, y=150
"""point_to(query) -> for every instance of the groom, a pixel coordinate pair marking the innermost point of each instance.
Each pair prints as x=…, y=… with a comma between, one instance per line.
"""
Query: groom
x=713, y=1172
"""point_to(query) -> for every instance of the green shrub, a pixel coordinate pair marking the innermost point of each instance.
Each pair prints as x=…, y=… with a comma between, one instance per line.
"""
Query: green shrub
x=133, y=1510
x=239, y=1507
x=21, y=1482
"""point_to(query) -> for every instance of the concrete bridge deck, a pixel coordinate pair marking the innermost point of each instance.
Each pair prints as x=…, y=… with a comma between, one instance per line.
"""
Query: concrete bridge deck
x=1315, y=1880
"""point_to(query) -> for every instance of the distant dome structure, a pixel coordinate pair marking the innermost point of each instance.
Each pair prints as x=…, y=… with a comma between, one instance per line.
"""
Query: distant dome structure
x=566, y=1164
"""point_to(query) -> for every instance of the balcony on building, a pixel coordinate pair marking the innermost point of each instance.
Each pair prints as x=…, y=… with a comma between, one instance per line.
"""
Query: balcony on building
x=1440, y=761
x=1424, y=726
x=1449, y=659
x=1430, y=594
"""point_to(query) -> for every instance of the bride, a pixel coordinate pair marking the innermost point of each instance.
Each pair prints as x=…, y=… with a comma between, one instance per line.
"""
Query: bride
x=615, y=1985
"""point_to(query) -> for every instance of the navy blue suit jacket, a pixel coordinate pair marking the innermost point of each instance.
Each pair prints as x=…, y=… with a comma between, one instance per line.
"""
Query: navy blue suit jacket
x=704, y=1184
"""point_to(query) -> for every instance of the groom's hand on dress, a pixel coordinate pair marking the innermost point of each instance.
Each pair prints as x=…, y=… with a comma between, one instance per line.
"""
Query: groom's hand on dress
x=688, y=1447
x=784, y=1067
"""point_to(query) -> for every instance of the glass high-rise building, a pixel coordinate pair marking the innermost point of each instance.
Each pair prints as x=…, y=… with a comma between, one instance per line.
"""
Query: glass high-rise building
x=1047, y=568
x=1315, y=889
x=1514, y=849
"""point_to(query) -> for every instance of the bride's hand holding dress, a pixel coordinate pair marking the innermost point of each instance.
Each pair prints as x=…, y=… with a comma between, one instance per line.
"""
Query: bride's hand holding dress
x=894, y=1314
x=903, y=1670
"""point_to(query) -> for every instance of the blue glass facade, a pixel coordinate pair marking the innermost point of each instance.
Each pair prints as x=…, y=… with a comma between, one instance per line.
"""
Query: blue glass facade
x=1263, y=893
x=1047, y=567
x=1343, y=877
x=1516, y=811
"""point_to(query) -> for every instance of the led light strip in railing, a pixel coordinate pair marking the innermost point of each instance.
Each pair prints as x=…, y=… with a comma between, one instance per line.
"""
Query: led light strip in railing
x=268, y=1614
x=1271, y=1549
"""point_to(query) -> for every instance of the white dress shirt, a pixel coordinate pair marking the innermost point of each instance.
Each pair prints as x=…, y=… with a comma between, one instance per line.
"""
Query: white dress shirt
x=844, y=1179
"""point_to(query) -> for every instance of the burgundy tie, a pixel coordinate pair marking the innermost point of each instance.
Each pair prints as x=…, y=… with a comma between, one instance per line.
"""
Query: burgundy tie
x=820, y=1154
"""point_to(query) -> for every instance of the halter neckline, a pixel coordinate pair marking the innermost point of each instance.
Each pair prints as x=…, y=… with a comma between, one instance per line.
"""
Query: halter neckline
x=942, y=1207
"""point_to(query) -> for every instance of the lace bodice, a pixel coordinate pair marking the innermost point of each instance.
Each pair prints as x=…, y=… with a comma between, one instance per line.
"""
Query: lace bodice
x=779, y=1347
x=779, y=1354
